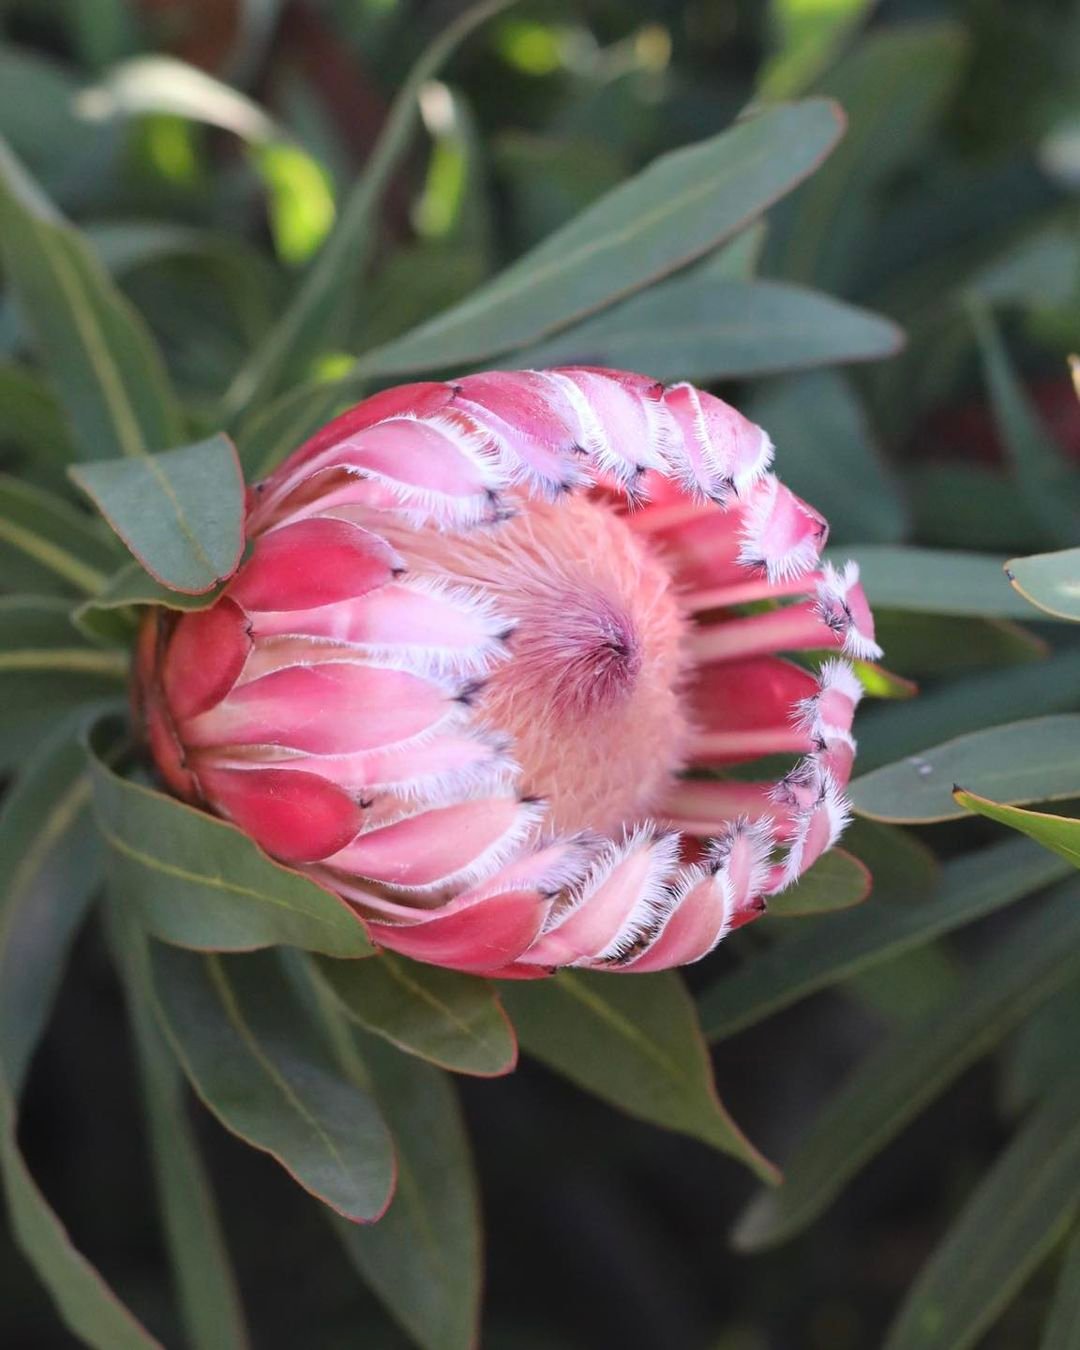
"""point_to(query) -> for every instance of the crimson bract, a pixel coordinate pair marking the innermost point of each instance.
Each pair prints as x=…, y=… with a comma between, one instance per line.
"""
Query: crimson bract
x=497, y=647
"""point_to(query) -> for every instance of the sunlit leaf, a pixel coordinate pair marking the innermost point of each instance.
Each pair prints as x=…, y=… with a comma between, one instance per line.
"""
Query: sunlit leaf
x=249, y=1053
x=1021, y=1209
x=836, y=946
x=181, y=512
x=1049, y=580
x=900, y=1078
x=1060, y=833
x=635, y=1042
x=453, y=1020
x=1031, y=761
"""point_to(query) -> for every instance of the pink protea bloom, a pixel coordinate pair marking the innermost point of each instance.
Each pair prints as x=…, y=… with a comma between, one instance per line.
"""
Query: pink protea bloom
x=495, y=645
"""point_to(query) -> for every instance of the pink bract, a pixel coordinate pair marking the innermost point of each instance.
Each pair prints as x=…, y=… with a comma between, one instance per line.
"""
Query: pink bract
x=496, y=651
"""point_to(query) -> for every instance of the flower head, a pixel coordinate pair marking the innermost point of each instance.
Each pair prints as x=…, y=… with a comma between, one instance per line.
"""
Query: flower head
x=494, y=657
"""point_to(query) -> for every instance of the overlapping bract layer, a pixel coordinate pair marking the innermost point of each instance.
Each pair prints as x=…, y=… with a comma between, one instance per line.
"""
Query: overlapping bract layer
x=332, y=702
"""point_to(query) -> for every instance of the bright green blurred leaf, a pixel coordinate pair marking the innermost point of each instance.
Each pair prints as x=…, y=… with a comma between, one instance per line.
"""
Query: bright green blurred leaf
x=836, y=946
x=181, y=512
x=1059, y=833
x=1032, y=761
x=694, y=328
x=807, y=35
x=249, y=1053
x=635, y=1042
x=681, y=206
x=302, y=200
x=451, y=1019
x=900, y=1078
x=1021, y=1209
x=1049, y=580
x=423, y=1259
x=201, y=883
x=104, y=365
x=320, y=309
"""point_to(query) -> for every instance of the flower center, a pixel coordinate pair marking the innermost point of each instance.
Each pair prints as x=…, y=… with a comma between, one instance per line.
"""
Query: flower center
x=592, y=690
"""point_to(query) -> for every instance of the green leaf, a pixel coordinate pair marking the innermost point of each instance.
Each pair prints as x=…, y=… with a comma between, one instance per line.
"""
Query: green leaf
x=49, y=872
x=900, y=1078
x=133, y=585
x=836, y=946
x=680, y=207
x=1049, y=580
x=936, y=581
x=1059, y=833
x=828, y=453
x=250, y=1054
x=284, y=423
x=635, y=1042
x=807, y=37
x=1033, y=761
x=318, y=310
x=892, y=87
x=1021, y=1209
x=456, y=1021
x=1062, y=1330
x=181, y=513
x=38, y=638
x=836, y=881
x=56, y=538
x=1042, y=476
x=201, y=883
x=102, y=358
x=695, y=328
x=213, y=1314
x=936, y=644
x=423, y=1259
x=975, y=702
x=1042, y=1053
x=34, y=424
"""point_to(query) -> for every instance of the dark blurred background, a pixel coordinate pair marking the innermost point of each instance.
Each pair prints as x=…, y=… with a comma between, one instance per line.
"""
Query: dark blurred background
x=960, y=170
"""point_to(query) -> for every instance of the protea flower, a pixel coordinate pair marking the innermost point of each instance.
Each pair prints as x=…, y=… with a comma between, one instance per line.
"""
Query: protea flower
x=496, y=647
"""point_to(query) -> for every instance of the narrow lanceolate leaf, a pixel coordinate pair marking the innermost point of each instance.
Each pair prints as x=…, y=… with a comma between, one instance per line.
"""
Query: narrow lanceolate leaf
x=836, y=881
x=201, y=883
x=1032, y=962
x=1044, y=479
x=181, y=513
x=255, y=1061
x=202, y=1272
x=940, y=644
x=49, y=870
x=836, y=946
x=989, y=698
x=133, y=585
x=635, y=1043
x=1060, y=833
x=936, y=581
x=1033, y=761
x=423, y=1259
x=53, y=537
x=698, y=329
x=102, y=358
x=38, y=637
x=679, y=208
x=1018, y=1213
x=1049, y=580
x=275, y=429
x=453, y=1020
x=322, y=303
x=1062, y=1330
x=830, y=453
